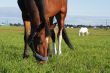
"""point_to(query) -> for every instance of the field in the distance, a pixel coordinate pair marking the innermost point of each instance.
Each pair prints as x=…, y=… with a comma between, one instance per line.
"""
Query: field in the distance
x=91, y=53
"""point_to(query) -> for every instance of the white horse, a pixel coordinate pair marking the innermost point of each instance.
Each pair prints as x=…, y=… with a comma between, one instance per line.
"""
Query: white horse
x=83, y=31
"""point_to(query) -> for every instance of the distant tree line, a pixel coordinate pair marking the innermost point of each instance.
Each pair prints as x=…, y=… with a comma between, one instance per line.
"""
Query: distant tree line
x=88, y=26
x=71, y=25
x=16, y=24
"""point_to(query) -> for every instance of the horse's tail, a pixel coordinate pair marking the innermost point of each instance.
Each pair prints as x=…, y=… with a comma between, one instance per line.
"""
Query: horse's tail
x=66, y=39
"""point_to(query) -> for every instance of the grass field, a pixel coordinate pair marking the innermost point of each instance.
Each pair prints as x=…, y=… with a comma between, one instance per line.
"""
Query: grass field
x=91, y=53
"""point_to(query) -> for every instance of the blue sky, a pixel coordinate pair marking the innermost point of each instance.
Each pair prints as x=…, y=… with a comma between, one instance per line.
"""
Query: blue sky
x=77, y=7
x=89, y=7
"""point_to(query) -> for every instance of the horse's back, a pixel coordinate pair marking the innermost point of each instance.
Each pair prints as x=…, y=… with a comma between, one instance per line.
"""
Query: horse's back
x=83, y=29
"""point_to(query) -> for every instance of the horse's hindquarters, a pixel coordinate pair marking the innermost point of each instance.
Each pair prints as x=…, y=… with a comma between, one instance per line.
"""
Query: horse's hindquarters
x=52, y=7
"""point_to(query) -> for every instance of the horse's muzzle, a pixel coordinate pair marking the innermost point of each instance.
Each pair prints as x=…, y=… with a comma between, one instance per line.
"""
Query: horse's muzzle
x=41, y=57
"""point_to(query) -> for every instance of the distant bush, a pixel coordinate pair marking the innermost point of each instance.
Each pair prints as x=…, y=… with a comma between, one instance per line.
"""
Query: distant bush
x=16, y=24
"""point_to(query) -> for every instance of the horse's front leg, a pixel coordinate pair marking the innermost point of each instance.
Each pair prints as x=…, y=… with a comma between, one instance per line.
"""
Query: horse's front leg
x=26, y=36
x=60, y=20
x=53, y=41
x=52, y=26
x=79, y=33
x=59, y=40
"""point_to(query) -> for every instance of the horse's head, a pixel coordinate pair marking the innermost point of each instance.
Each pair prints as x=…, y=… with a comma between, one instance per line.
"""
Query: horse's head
x=39, y=44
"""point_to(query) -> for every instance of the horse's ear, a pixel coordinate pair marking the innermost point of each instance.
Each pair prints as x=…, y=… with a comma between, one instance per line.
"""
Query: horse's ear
x=47, y=31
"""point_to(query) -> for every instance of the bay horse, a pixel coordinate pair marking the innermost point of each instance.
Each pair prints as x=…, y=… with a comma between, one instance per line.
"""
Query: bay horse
x=31, y=19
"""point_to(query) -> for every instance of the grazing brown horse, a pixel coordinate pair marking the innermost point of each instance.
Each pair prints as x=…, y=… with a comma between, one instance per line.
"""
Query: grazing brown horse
x=30, y=15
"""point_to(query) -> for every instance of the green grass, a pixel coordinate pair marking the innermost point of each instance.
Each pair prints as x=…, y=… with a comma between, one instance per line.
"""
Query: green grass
x=91, y=53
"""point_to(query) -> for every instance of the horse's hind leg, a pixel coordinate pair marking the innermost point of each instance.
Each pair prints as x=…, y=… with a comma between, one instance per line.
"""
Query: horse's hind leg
x=83, y=33
x=27, y=29
x=87, y=33
x=60, y=19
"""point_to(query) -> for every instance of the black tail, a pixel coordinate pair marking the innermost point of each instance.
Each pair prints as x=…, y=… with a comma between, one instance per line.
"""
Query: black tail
x=66, y=39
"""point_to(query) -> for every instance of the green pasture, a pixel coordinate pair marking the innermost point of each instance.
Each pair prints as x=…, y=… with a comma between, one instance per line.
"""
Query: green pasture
x=91, y=54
